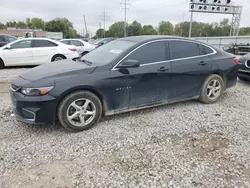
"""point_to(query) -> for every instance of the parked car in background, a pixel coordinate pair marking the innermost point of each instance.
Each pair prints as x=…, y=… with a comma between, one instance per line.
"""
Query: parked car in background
x=82, y=47
x=35, y=51
x=5, y=39
x=244, y=71
x=124, y=75
x=101, y=42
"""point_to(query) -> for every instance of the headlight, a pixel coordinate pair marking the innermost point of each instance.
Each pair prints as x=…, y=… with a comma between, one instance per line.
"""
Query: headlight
x=36, y=91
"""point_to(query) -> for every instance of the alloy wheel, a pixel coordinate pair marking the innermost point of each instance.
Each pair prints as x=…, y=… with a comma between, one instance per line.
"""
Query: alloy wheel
x=213, y=89
x=81, y=112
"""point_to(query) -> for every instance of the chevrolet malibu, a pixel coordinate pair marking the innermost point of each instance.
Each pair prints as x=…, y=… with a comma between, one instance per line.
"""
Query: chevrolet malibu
x=124, y=75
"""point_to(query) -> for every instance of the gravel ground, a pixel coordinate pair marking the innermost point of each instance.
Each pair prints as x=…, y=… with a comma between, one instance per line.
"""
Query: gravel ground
x=180, y=145
x=8, y=74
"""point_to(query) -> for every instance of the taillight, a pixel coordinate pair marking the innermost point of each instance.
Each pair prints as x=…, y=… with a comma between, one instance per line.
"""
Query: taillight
x=96, y=46
x=72, y=49
x=236, y=61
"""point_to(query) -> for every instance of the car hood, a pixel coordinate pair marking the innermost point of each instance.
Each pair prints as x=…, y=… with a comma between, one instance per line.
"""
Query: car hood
x=57, y=69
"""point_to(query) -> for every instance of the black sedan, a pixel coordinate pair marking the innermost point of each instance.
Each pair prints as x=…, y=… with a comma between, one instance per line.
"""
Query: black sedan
x=244, y=68
x=124, y=75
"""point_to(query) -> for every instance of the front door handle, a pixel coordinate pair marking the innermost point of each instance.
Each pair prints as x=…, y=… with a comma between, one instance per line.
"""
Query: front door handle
x=163, y=69
x=202, y=63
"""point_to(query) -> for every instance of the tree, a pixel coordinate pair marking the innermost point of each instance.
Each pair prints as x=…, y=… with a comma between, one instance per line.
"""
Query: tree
x=100, y=33
x=165, y=28
x=245, y=31
x=134, y=29
x=116, y=30
x=148, y=30
x=2, y=26
x=11, y=24
x=37, y=23
x=62, y=25
x=21, y=24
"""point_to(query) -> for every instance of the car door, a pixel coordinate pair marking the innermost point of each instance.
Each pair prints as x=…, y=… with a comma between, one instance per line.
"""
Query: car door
x=189, y=69
x=43, y=51
x=20, y=53
x=149, y=83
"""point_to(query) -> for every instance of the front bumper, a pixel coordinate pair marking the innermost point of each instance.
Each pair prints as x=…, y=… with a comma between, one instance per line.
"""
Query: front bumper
x=244, y=73
x=33, y=110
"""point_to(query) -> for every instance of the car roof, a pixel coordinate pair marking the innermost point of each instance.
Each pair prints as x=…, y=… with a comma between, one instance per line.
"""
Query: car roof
x=144, y=38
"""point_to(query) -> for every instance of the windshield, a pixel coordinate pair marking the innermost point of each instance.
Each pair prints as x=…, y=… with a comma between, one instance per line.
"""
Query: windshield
x=107, y=53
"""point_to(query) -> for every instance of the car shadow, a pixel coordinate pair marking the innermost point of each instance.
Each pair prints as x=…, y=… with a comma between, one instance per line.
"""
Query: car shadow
x=244, y=82
x=20, y=67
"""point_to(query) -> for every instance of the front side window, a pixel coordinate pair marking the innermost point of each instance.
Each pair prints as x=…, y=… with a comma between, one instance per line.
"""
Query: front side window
x=184, y=49
x=43, y=43
x=150, y=53
x=22, y=44
x=76, y=43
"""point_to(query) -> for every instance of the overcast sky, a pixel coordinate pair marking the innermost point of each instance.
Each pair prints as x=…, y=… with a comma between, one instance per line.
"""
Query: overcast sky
x=144, y=11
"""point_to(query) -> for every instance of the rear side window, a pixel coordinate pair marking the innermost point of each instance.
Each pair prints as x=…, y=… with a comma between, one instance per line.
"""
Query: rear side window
x=150, y=53
x=66, y=42
x=10, y=39
x=2, y=39
x=205, y=50
x=184, y=49
x=76, y=43
x=43, y=43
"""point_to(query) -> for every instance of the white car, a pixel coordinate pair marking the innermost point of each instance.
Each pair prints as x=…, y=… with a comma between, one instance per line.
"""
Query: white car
x=81, y=46
x=35, y=51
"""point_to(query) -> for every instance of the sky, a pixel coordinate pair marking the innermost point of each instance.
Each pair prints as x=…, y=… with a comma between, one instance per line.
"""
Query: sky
x=144, y=11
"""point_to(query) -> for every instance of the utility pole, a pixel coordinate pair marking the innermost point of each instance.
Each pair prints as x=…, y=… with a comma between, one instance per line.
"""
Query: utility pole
x=85, y=24
x=190, y=25
x=104, y=18
x=125, y=3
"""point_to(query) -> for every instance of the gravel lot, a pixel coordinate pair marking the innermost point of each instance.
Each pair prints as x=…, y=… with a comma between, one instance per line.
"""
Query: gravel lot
x=8, y=74
x=180, y=145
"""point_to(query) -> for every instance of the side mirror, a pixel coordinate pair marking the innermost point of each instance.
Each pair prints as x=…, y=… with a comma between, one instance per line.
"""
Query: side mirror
x=129, y=64
x=8, y=47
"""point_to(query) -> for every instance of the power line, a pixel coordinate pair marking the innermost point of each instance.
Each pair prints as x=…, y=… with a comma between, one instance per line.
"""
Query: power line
x=104, y=18
x=126, y=4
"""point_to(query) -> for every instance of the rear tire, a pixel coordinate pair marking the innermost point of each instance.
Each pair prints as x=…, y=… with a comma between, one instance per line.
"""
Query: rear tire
x=212, y=89
x=58, y=58
x=1, y=64
x=79, y=111
x=84, y=53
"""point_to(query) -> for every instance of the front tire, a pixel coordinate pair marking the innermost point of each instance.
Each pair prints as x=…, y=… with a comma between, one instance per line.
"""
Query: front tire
x=1, y=64
x=79, y=111
x=212, y=89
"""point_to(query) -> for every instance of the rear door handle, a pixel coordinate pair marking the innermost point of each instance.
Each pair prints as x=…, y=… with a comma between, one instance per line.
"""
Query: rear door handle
x=202, y=63
x=163, y=69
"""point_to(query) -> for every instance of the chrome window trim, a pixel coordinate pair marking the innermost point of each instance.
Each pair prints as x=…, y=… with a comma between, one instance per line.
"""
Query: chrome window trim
x=172, y=60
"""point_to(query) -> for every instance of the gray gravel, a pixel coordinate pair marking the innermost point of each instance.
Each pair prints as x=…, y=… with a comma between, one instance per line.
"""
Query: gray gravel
x=180, y=145
x=9, y=73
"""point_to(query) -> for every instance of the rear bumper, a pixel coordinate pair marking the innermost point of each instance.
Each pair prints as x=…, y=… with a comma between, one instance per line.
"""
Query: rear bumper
x=72, y=55
x=33, y=110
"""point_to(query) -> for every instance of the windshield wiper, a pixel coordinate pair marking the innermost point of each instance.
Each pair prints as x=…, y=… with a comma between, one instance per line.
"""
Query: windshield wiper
x=85, y=61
